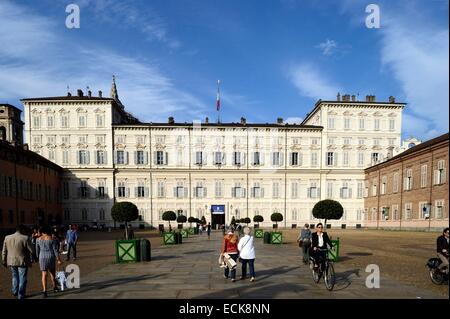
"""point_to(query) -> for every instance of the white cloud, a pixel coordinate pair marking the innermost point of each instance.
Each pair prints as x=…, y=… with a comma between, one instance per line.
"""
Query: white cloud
x=417, y=56
x=294, y=120
x=311, y=82
x=328, y=47
x=143, y=88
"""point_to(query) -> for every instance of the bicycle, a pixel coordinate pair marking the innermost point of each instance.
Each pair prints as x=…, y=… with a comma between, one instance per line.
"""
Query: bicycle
x=325, y=269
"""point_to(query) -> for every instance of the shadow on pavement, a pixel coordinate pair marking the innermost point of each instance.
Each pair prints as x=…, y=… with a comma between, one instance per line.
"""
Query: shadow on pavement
x=343, y=279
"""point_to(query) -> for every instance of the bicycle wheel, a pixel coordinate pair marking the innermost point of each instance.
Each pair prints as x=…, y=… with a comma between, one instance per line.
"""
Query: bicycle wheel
x=436, y=276
x=315, y=273
x=329, y=277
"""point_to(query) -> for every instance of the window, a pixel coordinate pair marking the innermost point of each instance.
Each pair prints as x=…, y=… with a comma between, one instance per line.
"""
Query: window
x=82, y=120
x=218, y=158
x=140, y=139
x=331, y=141
x=140, y=157
x=37, y=139
x=161, y=189
x=361, y=123
x=237, y=158
x=439, y=209
x=296, y=140
x=360, y=159
x=345, y=159
x=65, y=139
x=121, y=157
x=294, y=214
x=395, y=183
x=120, y=139
x=296, y=159
x=423, y=176
x=256, y=158
x=408, y=182
x=140, y=190
x=276, y=189
x=51, y=139
x=84, y=214
x=276, y=159
x=101, y=189
x=36, y=121
x=314, y=141
x=374, y=187
x=257, y=190
x=347, y=123
x=359, y=214
x=83, y=157
x=65, y=190
x=314, y=159
x=361, y=141
x=376, y=125
x=179, y=191
x=359, y=190
x=395, y=215
x=199, y=158
x=376, y=141
x=383, y=185
x=121, y=190
x=100, y=139
x=160, y=139
x=391, y=141
x=237, y=191
x=101, y=214
x=313, y=191
x=391, y=125
x=180, y=139
x=330, y=159
x=424, y=210
x=82, y=139
x=346, y=191
x=160, y=157
x=439, y=174
x=84, y=190
x=51, y=155
x=64, y=121
x=294, y=189
x=347, y=141
x=331, y=123
x=330, y=189
x=375, y=158
x=50, y=121
x=408, y=210
x=100, y=157
x=218, y=188
x=100, y=120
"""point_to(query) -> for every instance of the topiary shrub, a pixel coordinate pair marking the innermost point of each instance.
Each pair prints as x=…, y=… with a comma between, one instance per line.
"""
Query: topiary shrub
x=124, y=212
x=328, y=209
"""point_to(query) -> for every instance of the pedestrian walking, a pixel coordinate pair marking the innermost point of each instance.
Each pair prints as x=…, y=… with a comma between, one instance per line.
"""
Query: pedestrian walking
x=304, y=241
x=208, y=230
x=200, y=229
x=72, y=239
x=229, y=248
x=247, y=254
x=17, y=254
x=47, y=251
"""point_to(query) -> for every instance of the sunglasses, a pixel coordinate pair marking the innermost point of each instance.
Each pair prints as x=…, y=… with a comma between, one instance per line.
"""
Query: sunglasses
x=319, y=227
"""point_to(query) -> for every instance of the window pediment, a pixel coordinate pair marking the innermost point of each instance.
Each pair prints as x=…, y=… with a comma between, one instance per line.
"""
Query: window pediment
x=81, y=110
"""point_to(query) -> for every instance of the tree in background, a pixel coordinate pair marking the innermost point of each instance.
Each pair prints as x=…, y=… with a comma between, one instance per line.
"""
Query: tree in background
x=124, y=212
x=328, y=209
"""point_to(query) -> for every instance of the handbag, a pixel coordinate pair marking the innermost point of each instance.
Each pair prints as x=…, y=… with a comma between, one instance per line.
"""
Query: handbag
x=61, y=277
x=231, y=264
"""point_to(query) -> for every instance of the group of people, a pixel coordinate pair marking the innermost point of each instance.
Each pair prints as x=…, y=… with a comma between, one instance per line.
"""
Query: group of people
x=234, y=247
x=44, y=246
x=207, y=227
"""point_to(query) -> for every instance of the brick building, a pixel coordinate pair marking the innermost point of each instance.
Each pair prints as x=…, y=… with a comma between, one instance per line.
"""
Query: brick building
x=29, y=188
x=410, y=190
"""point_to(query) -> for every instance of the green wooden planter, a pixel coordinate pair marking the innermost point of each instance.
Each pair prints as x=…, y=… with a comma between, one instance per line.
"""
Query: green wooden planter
x=169, y=238
x=276, y=238
x=191, y=231
x=333, y=253
x=184, y=233
x=127, y=251
x=259, y=233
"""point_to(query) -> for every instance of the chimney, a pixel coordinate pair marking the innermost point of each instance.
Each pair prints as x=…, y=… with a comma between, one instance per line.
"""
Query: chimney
x=100, y=93
x=206, y=120
x=353, y=98
x=392, y=99
x=89, y=93
x=171, y=120
x=79, y=93
x=69, y=94
x=368, y=98
x=338, y=97
x=346, y=98
x=280, y=120
x=243, y=121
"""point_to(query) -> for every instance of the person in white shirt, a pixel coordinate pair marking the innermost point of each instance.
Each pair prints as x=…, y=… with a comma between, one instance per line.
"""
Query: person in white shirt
x=247, y=254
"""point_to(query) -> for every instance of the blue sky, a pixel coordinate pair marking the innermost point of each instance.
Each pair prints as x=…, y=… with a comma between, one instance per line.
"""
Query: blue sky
x=274, y=58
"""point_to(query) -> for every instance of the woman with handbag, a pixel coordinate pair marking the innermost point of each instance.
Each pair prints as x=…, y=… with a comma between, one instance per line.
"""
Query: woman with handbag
x=304, y=241
x=230, y=250
x=247, y=254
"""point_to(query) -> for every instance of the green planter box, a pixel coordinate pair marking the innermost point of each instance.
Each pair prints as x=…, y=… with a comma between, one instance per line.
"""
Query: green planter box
x=333, y=253
x=267, y=237
x=191, y=231
x=184, y=233
x=127, y=251
x=259, y=233
x=169, y=238
x=276, y=238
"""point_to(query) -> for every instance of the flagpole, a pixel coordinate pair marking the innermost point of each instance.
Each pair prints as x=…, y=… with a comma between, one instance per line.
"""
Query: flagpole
x=218, y=101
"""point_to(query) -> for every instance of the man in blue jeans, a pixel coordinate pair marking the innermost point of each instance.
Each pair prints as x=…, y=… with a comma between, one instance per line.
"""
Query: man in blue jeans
x=72, y=238
x=17, y=254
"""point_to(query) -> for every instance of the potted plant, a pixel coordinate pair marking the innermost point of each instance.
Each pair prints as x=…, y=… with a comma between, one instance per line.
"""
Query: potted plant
x=247, y=220
x=276, y=237
x=328, y=209
x=276, y=217
x=124, y=212
x=258, y=219
x=191, y=220
x=169, y=216
x=180, y=220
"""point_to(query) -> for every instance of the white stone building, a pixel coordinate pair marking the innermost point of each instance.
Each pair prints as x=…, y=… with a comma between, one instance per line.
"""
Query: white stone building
x=241, y=169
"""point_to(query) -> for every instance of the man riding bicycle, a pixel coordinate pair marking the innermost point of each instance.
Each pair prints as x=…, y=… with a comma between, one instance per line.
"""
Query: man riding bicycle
x=319, y=241
x=442, y=249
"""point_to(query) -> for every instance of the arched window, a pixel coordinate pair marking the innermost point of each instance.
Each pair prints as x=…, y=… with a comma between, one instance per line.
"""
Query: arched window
x=2, y=133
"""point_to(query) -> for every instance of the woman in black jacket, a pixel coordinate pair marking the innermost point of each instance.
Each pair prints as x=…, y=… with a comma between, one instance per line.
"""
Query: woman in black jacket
x=319, y=240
